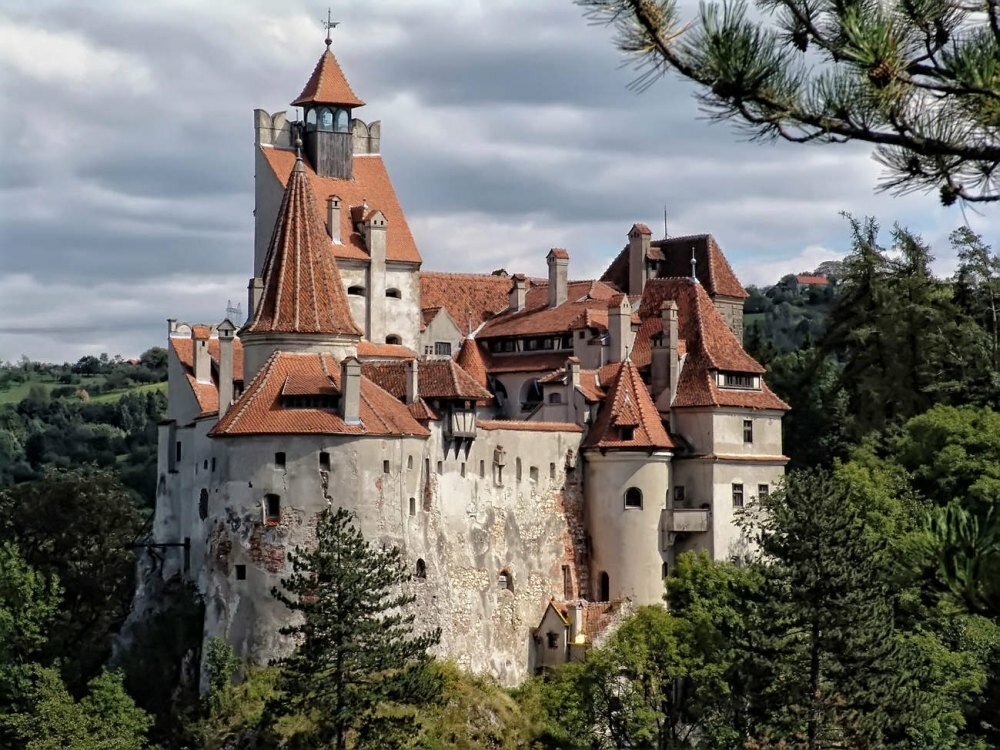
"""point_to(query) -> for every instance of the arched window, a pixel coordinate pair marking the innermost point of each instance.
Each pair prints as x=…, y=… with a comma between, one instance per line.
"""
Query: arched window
x=356, y=291
x=555, y=398
x=203, y=505
x=505, y=581
x=393, y=293
x=421, y=571
x=633, y=497
x=341, y=121
x=311, y=119
x=325, y=119
x=393, y=339
x=604, y=594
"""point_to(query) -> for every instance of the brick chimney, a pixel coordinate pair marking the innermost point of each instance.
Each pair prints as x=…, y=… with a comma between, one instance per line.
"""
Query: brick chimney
x=558, y=260
x=333, y=218
x=226, y=332
x=350, y=390
x=638, y=250
x=518, y=293
x=413, y=381
x=619, y=327
x=202, y=362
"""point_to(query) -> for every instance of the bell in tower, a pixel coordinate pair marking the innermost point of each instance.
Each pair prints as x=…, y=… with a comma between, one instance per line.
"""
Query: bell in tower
x=327, y=100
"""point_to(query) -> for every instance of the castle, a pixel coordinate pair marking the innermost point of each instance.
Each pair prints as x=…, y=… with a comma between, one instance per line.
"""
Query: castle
x=540, y=449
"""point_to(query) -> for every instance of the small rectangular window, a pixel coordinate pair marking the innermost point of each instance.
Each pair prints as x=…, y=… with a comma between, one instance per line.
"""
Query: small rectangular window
x=553, y=640
x=241, y=572
x=324, y=461
x=177, y=451
x=440, y=467
x=427, y=466
x=413, y=506
x=385, y=467
x=533, y=473
x=213, y=463
x=187, y=554
x=737, y=495
x=442, y=348
x=763, y=491
x=552, y=471
x=747, y=430
x=517, y=466
x=462, y=469
x=679, y=493
x=272, y=508
x=567, y=582
x=279, y=459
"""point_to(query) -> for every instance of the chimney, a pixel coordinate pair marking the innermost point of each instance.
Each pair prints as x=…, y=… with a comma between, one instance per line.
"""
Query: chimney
x=638, y=251
x=666, y=364
x=226, y=331
x=375, y=237
x=202, y=362
x=518, y=293
x=619, y=327
x=333, y=218
x=558, y=260
x=350, y=390
x=171, y=326
x=255, y=290
x=573, y=370
x=412, y=381
x=375, y=227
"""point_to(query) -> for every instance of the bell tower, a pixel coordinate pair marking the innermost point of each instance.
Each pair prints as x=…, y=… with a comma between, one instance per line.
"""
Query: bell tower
x=327, y=101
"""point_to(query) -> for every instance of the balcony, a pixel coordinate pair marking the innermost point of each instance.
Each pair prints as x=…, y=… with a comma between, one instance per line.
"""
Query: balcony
x=688, y=520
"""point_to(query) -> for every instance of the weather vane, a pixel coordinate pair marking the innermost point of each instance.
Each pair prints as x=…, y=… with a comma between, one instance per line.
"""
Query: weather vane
x=329, y=26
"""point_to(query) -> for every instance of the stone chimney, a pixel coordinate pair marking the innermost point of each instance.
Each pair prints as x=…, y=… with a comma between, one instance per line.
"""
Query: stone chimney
x=573, y=371
x=226, y=332
x=350, y=390
x=255, y=290
x=412, y=381
x=333, y=218
x=665, y=368
x=638, y=250
x=518, y=292
x=558, y=260
x=202, y=362
x=619, y=327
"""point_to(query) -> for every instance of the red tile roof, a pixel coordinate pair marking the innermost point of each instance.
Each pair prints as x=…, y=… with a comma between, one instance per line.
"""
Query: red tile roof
x=697, y=387
x=468, y=297
x=206, y=394
x=303, y=292
x=201, y=332
x=673, y=257
x=436, y=378
x=371, y=185
x=327, y=85
x=559, y=252
x=501, y=424
x=812, y=280
x=369, y=350
x=539, y=362
x=641, y=229
x=470, y=358
x=628, y=404
x=259, y=410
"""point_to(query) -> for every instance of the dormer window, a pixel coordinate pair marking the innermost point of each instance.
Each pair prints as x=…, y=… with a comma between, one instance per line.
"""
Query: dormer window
x=626, y=433
x=341, y=121
x=325, y=401
x=743, y=380
x=325, y=119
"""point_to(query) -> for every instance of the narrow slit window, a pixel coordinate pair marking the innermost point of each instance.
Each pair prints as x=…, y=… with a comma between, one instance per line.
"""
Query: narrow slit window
x=413, y=506
x=409, y=462
x=385, y=467
x=552, y=471
x=567, y=582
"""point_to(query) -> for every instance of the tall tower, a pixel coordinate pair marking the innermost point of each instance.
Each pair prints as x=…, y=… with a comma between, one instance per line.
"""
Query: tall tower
x=327, y=100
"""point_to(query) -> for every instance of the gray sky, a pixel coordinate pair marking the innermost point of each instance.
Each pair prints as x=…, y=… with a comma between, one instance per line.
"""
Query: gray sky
x=126, y=174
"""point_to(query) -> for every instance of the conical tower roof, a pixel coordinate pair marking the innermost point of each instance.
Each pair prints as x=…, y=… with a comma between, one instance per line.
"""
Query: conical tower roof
x=327, y=85
x=303, y=292
x=470, y=359
x=628, y=405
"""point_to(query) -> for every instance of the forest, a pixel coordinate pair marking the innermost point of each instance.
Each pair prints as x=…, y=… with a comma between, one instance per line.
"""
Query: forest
x=869, y=617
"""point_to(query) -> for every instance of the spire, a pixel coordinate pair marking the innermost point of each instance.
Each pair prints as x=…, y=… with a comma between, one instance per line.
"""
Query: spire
x=303, y=292
x=628, y=417
x=470, y=359
x=327, y=85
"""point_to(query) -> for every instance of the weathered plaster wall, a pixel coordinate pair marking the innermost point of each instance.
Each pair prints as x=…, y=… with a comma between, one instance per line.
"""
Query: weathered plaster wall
x=466, y=529
x=727, y=432
x=401, y=317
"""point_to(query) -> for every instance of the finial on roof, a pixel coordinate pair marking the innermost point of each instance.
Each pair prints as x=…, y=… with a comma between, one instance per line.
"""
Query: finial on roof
x=694, y=264
x=329, y=26
x=298, y=156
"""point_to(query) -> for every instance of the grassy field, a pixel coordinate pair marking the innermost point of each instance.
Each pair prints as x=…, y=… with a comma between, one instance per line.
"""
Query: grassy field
x=19, y=391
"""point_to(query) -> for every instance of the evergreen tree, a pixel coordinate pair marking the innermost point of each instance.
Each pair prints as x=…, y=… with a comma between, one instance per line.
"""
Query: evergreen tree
x=357, y=651
x=822, y=654
x=920, y=81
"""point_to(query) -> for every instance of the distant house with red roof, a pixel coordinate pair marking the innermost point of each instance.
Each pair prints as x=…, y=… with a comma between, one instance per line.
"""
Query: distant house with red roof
x=540, y=449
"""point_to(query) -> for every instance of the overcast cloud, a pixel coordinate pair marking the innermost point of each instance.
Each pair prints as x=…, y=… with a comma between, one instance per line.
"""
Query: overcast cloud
x=126, y=172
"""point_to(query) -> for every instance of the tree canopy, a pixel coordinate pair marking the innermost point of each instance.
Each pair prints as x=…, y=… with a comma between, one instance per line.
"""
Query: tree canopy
x=918, y=79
